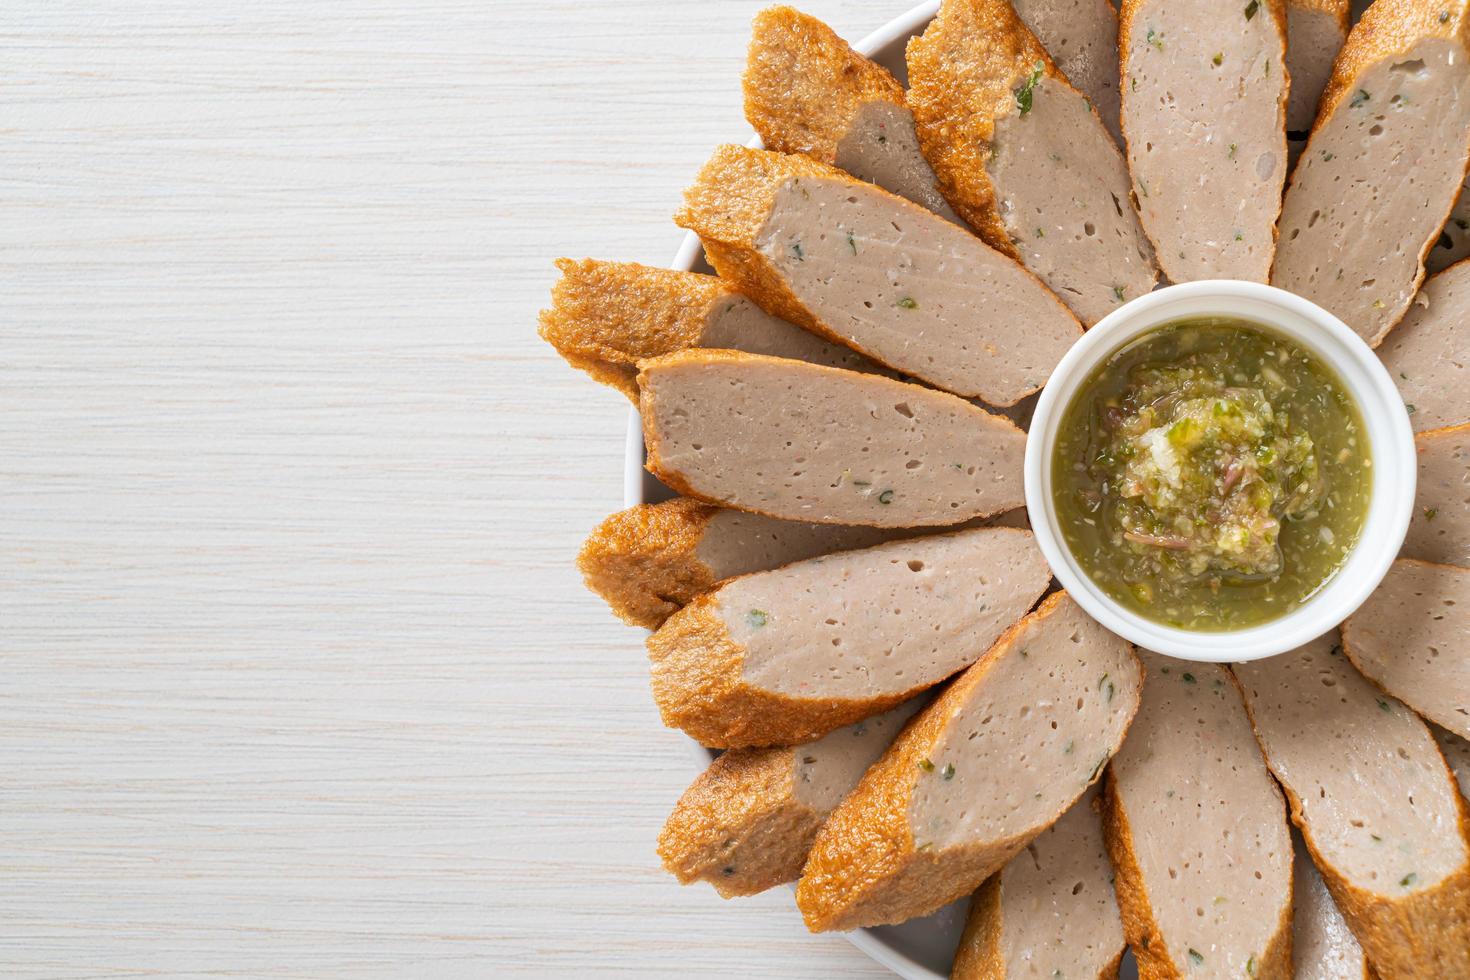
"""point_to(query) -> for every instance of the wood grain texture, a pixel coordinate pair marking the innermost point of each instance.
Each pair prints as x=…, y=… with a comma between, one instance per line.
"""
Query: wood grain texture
x=298, y=677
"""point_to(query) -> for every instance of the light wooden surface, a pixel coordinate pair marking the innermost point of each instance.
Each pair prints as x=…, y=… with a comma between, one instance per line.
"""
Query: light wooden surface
x=296, y=676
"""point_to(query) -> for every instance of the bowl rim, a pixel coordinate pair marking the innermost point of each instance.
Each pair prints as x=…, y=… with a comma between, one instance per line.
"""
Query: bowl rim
x=686, y=258
x=1388, y=431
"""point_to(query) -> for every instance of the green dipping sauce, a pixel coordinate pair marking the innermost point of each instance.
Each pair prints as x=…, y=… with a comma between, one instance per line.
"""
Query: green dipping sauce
x=1211, y=475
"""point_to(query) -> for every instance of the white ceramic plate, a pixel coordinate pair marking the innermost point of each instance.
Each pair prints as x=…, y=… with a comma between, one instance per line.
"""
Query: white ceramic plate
x=921, y=949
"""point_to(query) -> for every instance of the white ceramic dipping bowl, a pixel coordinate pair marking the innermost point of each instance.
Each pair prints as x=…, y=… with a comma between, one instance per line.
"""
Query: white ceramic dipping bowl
x=1391, y=448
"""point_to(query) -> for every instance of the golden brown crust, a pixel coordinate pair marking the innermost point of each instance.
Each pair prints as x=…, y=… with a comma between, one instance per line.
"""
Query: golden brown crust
x=894, y=881
x=1139, y=926
x=978, y=956
x=606, y=316
x=727, y=206
x=1388, y=28
x=612, y=375
x=804, y=84
x=1340, y=10
x=1447, y=432
x=1276, y=961
x=1141, y=929
x=740, y=826
x=643, y=560
x=1425, y=934
x=963, y=74
x=699, y=687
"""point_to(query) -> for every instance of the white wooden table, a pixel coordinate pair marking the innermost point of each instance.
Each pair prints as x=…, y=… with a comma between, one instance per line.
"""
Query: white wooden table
x=296, y=676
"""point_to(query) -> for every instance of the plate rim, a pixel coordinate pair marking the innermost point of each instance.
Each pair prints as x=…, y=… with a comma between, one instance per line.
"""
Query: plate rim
x=690, y=251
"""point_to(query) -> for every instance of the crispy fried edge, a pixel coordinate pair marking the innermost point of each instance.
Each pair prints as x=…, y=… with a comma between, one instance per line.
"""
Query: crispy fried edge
x=1387, y=28
x=727, y=206
x=741, y=813
x=1401, y=937
x=676, y=481
x=963, y=72
x=803, y=84
x=698, y=684
x=1397, y=935
x=643, y=561
x=1367, y=970
x=864, y=869
x=1139, y=925
x=1341, y=10
x=606, y=316
x=978, y=956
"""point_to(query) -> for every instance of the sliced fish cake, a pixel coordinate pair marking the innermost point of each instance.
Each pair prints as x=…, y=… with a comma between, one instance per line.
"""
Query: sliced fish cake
x=1426, y=354
x=785, y=656
x=1023, y=157
x=1082, y=38
x=1323, y=946
x=866, y=268
x=1001, y=754
x=1412, y=638
x=647, y=561
x=1204, y=113
x=607, y=316
x=807, y=91
x=1051, y=911
x=747, y=823
x=1383, y=166
x=1198, y=833
x=807, y=443
x=1439, y=530
x=1375, y=803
